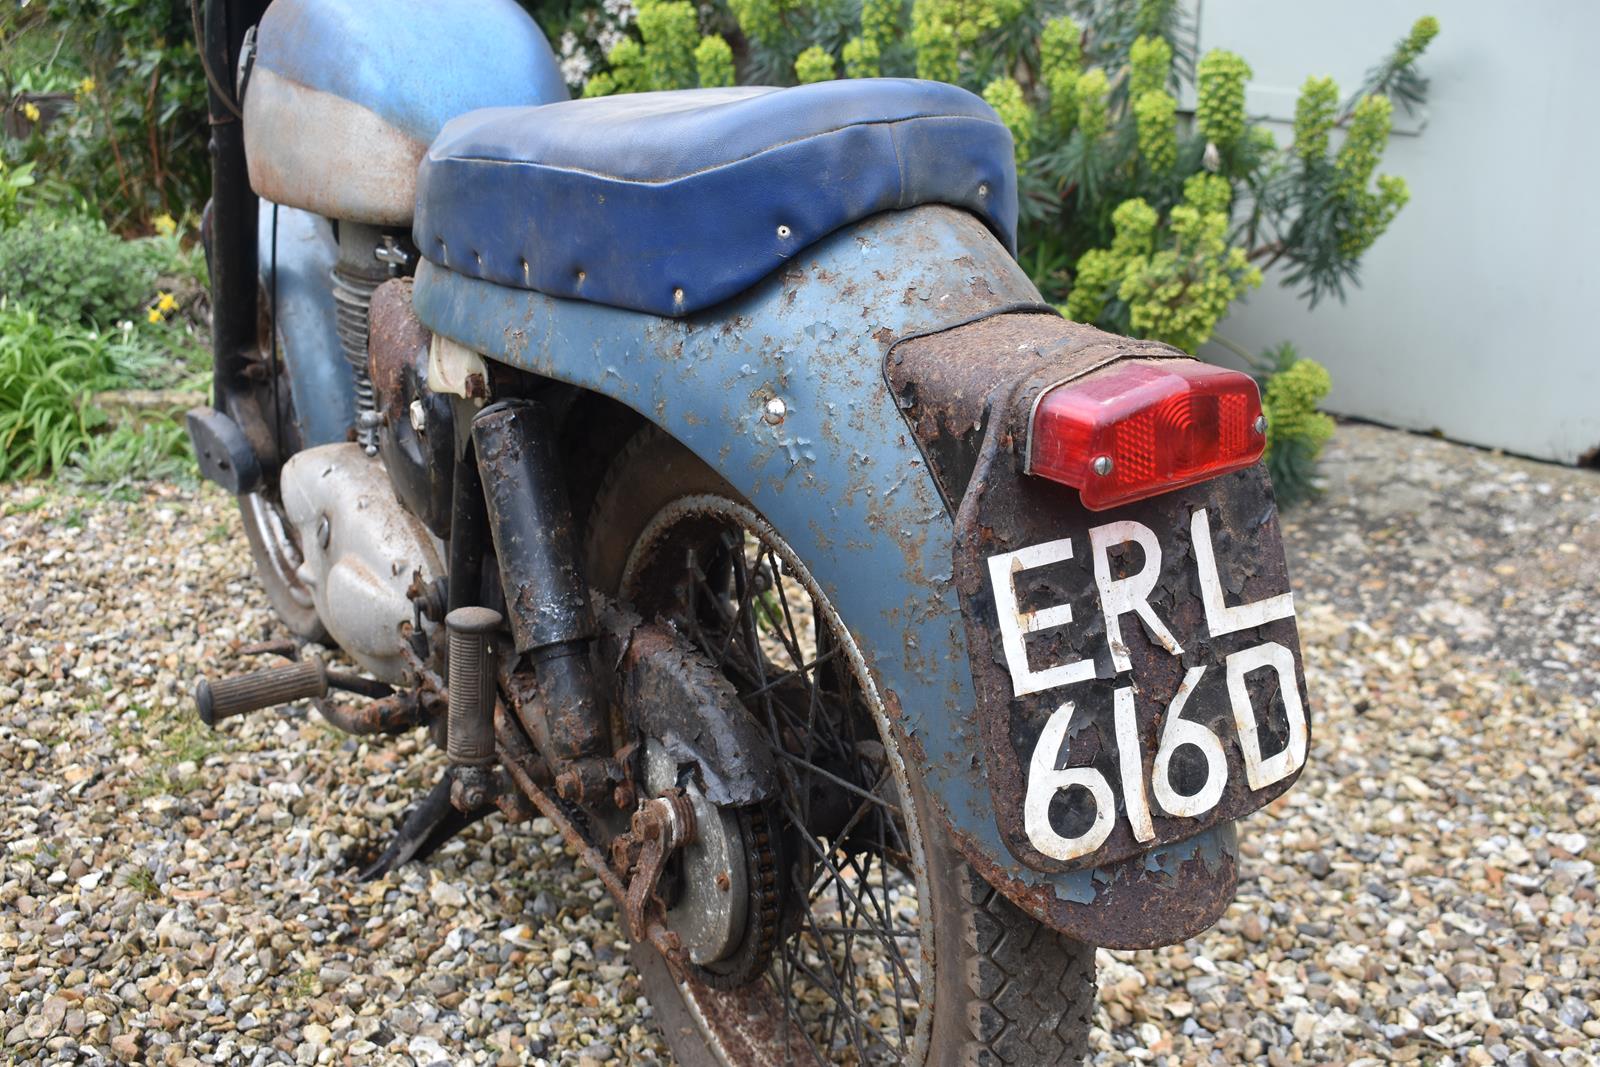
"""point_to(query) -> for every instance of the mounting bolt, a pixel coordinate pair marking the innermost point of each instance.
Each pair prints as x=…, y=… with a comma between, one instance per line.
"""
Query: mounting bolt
x=471, y=788
x=1261, y=424
x=1101, y=465
x=419, y=416
x=774, y=411
x=623, y=796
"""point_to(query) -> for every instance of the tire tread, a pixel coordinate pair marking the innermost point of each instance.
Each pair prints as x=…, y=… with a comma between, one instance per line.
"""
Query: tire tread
x=1033, y=990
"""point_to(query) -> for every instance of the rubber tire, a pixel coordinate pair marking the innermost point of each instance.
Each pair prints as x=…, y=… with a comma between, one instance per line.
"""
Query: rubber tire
x=1016, y=991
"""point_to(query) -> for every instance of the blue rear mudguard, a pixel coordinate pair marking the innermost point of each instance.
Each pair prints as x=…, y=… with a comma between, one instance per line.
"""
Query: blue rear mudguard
x=842, y=479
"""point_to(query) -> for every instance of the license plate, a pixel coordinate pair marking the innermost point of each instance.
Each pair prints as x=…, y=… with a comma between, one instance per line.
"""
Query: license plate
x=1138, y=670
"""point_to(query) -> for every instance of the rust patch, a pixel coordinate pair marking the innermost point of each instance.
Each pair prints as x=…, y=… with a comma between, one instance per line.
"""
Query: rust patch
x=1138, y=902
x=948, y=382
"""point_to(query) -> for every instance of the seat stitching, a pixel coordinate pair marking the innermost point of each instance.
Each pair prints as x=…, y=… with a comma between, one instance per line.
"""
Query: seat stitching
x=900, y=167
x=567, y=169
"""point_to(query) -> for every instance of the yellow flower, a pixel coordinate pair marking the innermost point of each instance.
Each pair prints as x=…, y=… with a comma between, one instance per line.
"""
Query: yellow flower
x=154, y=315
x=166, y=304
x=165, y=225
x=86, y=87
x=30, y=111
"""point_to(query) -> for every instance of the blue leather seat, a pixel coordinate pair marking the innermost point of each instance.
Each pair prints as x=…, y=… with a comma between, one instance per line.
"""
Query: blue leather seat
x=670, y=202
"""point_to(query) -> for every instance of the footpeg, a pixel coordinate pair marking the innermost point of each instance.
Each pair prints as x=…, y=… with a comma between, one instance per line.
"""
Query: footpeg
x=227, y=697
x=469, y=739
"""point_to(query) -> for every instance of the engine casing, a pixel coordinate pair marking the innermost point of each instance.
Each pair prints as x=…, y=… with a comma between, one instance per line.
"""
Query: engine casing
x=360, y=549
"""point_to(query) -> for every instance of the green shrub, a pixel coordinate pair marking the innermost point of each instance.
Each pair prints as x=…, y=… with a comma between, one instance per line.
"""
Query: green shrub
x=1296, y=430
x=72, y=268
x=48, y=376
x=132, y=141
x=13, y=180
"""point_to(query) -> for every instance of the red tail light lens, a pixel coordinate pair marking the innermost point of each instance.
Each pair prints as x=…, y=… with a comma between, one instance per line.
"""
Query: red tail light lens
x=1140, y=428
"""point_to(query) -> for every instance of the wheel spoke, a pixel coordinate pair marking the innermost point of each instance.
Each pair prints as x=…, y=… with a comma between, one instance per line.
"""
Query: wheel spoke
x=833, y=871
x=849, y=960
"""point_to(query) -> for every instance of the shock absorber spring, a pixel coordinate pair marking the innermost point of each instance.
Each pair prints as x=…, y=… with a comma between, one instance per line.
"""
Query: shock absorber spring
x=356, y=274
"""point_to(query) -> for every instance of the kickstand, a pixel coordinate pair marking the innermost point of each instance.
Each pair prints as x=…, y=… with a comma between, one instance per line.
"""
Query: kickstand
x=427, y=826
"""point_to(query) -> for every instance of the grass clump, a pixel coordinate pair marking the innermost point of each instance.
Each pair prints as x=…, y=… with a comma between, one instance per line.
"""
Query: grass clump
x=49, y=421
x=47, y=379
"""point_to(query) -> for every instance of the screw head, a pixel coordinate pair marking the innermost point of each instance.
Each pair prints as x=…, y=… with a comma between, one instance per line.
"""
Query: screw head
x=1101, y=465
x=1260, y=425
x=419, y=416
x=774, y=411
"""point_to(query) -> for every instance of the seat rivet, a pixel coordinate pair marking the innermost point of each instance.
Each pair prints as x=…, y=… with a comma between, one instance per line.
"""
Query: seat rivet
x=783, y=233
x=582, y=274
x=677, y=296
x=983, y=188
x=477, y=259
x=774, y=411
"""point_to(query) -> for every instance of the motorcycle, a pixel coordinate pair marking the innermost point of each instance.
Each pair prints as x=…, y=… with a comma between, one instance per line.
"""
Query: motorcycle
x=703, y=473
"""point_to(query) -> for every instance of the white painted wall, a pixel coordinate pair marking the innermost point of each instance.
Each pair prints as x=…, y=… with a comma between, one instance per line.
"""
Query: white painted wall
x=1477, y=311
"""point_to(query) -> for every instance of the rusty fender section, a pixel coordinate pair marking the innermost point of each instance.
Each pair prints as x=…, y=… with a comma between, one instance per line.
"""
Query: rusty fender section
x=677, y=697
x=841, y=476
x=968, y=392
x=949, y=381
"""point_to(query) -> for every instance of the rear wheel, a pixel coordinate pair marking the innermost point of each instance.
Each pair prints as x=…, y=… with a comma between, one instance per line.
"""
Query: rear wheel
x=868, y=938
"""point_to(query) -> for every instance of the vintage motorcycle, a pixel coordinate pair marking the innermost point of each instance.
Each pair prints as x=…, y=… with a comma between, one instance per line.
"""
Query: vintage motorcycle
x=702, y=472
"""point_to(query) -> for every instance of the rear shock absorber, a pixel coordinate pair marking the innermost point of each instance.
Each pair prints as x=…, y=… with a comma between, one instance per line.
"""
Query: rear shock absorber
x=547, y=596
x=355, y=275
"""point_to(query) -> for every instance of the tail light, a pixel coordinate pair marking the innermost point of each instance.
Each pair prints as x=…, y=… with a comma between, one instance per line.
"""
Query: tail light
x=1140, y=428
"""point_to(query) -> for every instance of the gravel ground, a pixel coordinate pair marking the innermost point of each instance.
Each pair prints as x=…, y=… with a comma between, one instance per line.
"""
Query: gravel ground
x=171, y=896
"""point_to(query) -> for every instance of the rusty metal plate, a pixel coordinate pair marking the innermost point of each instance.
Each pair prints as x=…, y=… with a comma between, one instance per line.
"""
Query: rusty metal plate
x=1127, y=702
